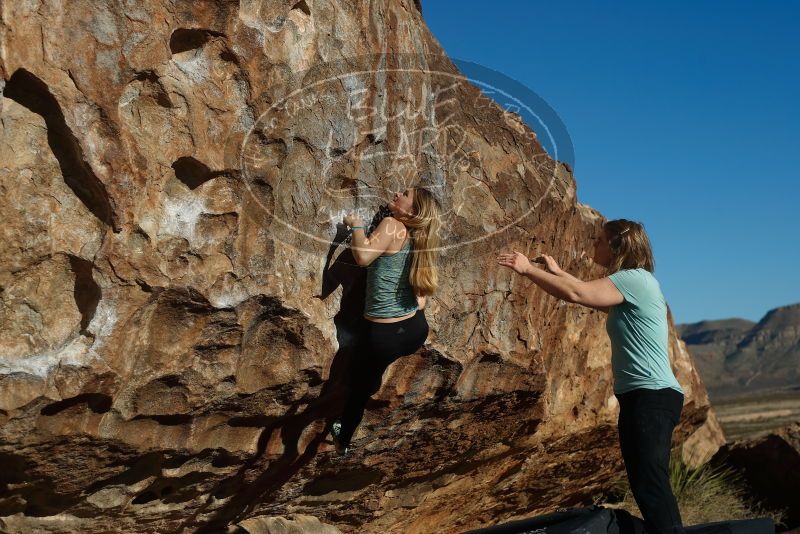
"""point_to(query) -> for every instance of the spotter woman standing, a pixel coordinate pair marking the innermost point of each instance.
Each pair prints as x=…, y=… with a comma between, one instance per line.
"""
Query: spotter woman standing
x=650, y=397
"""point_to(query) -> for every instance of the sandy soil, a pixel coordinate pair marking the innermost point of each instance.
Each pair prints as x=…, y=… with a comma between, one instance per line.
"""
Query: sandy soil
x=757, y=413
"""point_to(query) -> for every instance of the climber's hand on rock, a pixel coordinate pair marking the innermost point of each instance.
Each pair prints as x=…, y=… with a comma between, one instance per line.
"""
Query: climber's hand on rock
x=515, y=260
x=352, y=220
x=551, y=265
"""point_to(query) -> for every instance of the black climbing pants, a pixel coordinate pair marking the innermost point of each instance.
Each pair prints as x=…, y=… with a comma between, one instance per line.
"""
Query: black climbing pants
x=383, y=344
x=647, y=418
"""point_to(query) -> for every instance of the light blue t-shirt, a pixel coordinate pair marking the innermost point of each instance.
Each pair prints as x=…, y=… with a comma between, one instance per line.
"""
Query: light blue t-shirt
x=638, y=331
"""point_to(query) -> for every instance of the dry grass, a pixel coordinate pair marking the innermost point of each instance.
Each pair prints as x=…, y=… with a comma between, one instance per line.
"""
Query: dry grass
x=704, y=495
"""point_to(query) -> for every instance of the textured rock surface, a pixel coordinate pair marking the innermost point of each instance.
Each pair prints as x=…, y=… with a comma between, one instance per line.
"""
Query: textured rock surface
x=300, y=524
x=172, y=349
x=735, y=355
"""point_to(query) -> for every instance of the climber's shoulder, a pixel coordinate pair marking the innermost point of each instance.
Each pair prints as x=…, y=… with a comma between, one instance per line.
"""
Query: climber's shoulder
x=393, y=227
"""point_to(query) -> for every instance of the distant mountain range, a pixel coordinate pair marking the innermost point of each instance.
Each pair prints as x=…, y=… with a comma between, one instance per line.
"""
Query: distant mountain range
x=736, y=355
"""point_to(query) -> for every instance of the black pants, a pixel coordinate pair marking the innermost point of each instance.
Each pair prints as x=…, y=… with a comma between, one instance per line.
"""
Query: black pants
x=384, y=343
x=647, y=418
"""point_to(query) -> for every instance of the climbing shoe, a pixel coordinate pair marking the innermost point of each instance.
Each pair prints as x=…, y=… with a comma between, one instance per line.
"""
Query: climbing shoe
x=336, y=432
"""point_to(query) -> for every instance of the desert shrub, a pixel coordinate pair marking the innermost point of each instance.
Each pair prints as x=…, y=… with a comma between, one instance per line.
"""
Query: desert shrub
x=706, y=494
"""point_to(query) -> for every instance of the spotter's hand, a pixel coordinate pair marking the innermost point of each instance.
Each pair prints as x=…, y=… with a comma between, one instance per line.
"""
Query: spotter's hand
x=549, y=263
x=515, y=260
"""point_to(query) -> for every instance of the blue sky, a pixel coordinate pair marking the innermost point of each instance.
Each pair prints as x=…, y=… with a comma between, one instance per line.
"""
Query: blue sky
x=683, y=115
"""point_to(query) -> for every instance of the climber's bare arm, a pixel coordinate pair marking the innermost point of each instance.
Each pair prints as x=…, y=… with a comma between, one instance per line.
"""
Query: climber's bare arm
x=367, y=249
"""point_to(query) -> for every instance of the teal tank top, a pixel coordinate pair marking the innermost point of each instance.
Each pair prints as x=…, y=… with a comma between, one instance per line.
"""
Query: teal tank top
x=638, y=330
x=389, y=293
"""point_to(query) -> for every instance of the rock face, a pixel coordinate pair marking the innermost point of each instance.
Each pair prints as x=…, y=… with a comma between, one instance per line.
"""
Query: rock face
x=179, y=311
x=769, y=467
x=735, y=355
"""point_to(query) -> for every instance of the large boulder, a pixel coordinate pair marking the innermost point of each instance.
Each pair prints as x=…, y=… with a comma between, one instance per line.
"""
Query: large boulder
x=768, y=466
